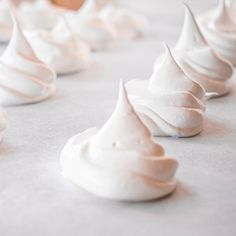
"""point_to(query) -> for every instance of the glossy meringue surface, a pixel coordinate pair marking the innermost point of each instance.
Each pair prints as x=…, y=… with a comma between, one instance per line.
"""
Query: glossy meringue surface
x=219, y=27
x=23, y=77
x=60, y=49
x=200, y=61
x=119, y=161
x=169, y=103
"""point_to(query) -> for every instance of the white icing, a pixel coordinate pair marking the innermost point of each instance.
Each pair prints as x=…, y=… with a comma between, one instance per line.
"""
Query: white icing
x=60, y=49
x=120, y=161
x=219, y=28
x=23, y=77
x=5, y=21
x=199, y=61
x=170, y=103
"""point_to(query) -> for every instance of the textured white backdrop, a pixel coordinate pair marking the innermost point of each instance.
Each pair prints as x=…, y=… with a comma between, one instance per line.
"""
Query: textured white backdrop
x=36, y=200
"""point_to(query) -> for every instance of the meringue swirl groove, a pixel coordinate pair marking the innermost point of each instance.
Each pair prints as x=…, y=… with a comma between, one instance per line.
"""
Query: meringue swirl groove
x=199, y=61
x=23, y=77
x=120, y=161
x=170, y=103
x=219, y=28
x=60, y=43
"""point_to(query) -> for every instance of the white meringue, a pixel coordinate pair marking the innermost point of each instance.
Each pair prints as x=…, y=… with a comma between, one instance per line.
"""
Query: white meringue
x=5, y=21
x=231, y=4
x=170, y=103
x=199, y=61
x=2, y=124
x=60, y=49
x=128, y=25
x=120, y=161
x=23, y=77
x=219, y=29
x=91, y=28
x=40, y=14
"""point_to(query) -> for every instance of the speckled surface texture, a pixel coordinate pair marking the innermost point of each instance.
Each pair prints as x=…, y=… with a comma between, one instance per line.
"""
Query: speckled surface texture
x=36, y=200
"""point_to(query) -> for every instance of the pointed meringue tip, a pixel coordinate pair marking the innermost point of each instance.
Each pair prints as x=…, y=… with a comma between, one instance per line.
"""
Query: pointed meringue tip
x=187, y=8
x=123, y=96
x=168, y=53
x=167, y=48
x=122, y=87
x=222, y=8
x=13, y=17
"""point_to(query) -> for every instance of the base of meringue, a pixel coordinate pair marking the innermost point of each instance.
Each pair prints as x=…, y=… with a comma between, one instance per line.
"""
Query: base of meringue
x=10, y=97
x=108, y=183
x=140, y=98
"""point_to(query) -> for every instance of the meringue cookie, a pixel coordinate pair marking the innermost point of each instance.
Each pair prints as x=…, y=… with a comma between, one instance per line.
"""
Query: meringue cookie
x=5, y=21
x=199, y=61
x=40, y=14
x=60, y=49
x=23, y=77
x=170, y=103
x=128, y=25
x=220, y=30
x=231, y=4
x=120, y=161
x=2, y=124
x=91, y=28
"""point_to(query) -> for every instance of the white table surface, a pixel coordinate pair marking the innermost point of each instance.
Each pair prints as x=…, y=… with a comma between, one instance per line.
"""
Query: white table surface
x=36, y=200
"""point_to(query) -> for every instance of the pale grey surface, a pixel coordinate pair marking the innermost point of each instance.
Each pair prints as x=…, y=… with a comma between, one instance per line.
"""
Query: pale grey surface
x=36, y=200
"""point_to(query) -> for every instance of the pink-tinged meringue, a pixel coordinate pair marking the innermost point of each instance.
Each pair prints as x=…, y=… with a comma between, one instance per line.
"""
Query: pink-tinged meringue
x=23, y=77
x=169, y=103
x=40, y=14
x=2, y=124
x=219, y=29
x=60, y=49
x=199, y=61
x=119, y=161
x=128, y=25
x=5, y=21
x=89, y=26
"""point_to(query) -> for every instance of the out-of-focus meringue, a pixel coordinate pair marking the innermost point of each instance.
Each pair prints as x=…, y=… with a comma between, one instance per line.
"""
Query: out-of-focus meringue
x=231, y=4
x=199, y=61
x=170, y=103
x=120, y=161
x=40, y=14
x=128, y=25
x=219, y=29
x=90, y=27
x=60, y=49
x=5, y=21
x=2, y=124
x=23, y=77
